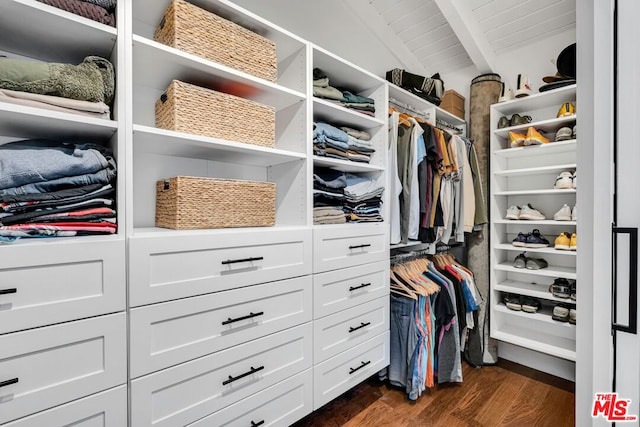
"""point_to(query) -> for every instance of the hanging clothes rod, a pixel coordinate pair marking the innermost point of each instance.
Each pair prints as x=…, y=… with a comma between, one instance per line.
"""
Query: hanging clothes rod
x=448, y=126
x=408, y=109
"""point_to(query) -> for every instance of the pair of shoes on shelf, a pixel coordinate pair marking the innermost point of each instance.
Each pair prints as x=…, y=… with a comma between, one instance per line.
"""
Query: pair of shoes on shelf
x=526, y=212
x=567, y=109
x=515, y=120
x=566, y=214
x=521, y=303
x=563, y=312
x=566, y=242
x=532, y=137
x=566, y=181
x=563, y=288
x=523, y=261
x=565, y=134
x=530, y=240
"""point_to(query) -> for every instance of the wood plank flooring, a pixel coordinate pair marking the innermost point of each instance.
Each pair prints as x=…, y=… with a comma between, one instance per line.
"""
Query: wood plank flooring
x=504, y=395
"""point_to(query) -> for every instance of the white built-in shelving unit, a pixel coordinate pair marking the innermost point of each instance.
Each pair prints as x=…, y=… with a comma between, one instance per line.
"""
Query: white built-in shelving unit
x=519, y=176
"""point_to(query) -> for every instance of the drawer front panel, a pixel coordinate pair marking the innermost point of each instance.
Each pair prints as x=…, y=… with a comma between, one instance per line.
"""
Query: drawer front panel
x=42, y=284
x=167, y=268
x=106, y=409
x=346, y=329
x=169, y=333
x=185, y=393
x=341, y=373
x=279, y=405
x=339, y=290
x=347, y=247
x=57, y=364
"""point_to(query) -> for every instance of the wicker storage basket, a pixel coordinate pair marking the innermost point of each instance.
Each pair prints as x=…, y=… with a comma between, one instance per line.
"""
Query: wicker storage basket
x=199, y=32
x=193, y=109
x=189, y=203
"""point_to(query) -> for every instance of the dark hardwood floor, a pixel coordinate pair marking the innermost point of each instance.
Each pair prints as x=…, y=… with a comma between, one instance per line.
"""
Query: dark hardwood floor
x=504, y=395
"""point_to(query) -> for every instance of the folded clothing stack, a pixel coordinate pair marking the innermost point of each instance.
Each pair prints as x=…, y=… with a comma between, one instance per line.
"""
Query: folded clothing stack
x=328, y=196
x=363, y=199
x=343, y=144
x=102, y=11
x=87, y=89
x=56, y=189
x=345, y=98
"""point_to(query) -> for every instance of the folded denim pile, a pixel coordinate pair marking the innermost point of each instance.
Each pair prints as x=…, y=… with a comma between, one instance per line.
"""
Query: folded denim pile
x=102, y=11
x=363, y=198
x=328, y=196
x=345, y=98
x=344, y=144
x=56, y=189
x=86, y=89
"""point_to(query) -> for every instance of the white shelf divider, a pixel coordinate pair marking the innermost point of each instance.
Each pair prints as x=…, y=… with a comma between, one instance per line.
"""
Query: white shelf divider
x=550, y=125
x=345, y=165
x=548, y=251
x=338, y=115
x=538, y=150
x=551, y=271
x=537, y=101
x=534, y=222
x=530, y=289
x=536, y=171
x=551, y=192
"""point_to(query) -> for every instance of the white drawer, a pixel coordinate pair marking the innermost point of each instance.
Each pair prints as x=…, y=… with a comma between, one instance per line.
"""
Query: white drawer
x=341, y=373
x=54, y=365
x=169, y=333
x=106, y=409
x=46, y=284
x=346, y=329
x=279, y=405
x=166, y=268
x=342, y=246
x=185, y=393
x=339, y=290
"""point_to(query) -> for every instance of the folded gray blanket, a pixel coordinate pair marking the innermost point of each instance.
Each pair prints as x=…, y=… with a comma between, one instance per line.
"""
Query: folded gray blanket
x=93, y=80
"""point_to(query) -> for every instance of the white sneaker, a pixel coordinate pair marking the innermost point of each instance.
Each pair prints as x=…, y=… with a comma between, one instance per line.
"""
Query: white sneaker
x=524, y=86
x=574, y=214
x=574, y=178
x=564, y=181
x=531, y=213
x=506, y=94
x=513, y=212
x=564, y=214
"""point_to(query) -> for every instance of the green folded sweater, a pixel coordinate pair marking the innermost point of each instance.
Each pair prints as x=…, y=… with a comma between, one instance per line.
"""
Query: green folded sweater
x=93, y=80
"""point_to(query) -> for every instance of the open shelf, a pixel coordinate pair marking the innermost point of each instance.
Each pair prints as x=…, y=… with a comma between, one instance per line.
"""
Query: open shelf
x=533, y=192
x=144, y=232
x=405, y=97
x=534, y=290
x=47, y=33
x=551, y=271
x=550, y=125
x=542, y=315
x=549, y=250
x=536, y=171
x=536, y=344
x=29, y=122
x=534, y=222
x=171, y=143
x=448, y=117
x=537, y=101
x=538, y=150
x=174, y=64
x=345, y=165
x=338, y=115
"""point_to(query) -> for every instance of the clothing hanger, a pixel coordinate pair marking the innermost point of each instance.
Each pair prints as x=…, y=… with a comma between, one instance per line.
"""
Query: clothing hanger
x=397, y=287
x=405, y=273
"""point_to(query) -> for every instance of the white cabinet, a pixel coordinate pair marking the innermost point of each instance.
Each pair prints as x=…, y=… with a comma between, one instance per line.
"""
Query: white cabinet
x=342, y=246
x=526, y=175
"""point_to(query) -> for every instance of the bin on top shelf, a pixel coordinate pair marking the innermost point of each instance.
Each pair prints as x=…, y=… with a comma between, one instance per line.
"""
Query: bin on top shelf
x=453, y=103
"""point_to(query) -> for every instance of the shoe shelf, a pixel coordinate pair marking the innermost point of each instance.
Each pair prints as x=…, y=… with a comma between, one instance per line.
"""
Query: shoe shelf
x=548, y=251
x=537, y=170
x=547, y=126
x=542, y=315
x=537, y=150
x=534, y=222
x=53, y=34
x=535, y=290
x=535, y=192
x=538, y=101
x=551, y=271
x=538, y=341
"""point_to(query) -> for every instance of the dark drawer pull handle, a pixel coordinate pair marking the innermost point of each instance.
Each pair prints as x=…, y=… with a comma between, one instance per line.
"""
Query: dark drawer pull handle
x=355, y=288
x=248, y=316
x=235, y=261
x=259, y=423
x=362, y=325
x=8, y=291
x=359, y=246
x=363, y=364
x=8, y=382
x=246, y=374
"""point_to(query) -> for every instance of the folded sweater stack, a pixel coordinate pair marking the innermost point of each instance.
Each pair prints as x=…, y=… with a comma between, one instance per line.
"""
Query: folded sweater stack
x=328, y=196
x=345, y=97
x=102, y=11
x=84, y=89
x=363, y=199
x=56, y=189
x=343, y=144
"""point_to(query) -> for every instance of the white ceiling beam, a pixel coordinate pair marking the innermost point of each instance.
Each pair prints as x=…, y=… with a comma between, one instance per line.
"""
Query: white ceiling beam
x=369, y=16
x=469, y=33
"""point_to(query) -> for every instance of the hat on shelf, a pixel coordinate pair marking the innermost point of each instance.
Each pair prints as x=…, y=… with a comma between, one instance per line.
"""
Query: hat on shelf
x=566, y=74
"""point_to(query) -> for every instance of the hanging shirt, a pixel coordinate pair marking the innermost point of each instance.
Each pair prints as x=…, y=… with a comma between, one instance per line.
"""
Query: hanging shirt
x=395, y=186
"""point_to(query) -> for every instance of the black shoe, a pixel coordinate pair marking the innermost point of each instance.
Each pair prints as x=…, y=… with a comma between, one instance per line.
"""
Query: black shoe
x=560, y=288
x=536, y=240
